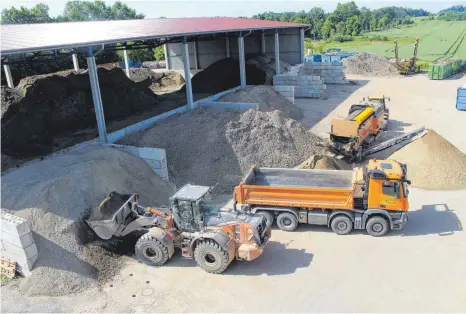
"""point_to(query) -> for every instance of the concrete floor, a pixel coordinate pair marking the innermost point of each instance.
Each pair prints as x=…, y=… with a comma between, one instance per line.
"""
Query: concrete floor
x=420, y=269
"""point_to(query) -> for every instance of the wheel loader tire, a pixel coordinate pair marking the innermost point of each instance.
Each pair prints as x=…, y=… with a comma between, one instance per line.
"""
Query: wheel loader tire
x=341, y=225
x=211, y=257
x=287, y=221
x=377, y=226
x=151, y=251
x=268, y=217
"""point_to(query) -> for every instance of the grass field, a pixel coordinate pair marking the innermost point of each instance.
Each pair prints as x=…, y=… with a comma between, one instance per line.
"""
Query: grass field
x=438, y=40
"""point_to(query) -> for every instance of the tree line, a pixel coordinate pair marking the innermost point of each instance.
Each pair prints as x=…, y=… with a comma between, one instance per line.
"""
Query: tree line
x=454, y=13
x=346, y=20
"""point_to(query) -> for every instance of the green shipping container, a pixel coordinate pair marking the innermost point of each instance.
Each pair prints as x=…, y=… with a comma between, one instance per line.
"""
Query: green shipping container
x=442, y=71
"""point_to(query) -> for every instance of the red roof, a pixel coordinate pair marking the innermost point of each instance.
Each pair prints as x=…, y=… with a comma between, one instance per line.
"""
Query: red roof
x=36, y=37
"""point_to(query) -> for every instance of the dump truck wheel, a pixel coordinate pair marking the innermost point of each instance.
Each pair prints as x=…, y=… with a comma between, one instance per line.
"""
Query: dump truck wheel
x=268, y=217
x=377, y=226
x=287, y=221
x=151, y=251
x=211, y=257
x=341, y=225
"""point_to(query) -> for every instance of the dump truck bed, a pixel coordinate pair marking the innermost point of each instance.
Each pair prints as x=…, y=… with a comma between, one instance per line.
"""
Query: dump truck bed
x=297, y=188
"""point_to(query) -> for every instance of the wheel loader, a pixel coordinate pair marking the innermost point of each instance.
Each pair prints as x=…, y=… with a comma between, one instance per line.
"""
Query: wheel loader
x=214, y=238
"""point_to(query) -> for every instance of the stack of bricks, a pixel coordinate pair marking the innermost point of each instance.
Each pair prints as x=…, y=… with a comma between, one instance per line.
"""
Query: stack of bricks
x=17, y=243
x=286, y=91
x=331, y=72
x=306, y=86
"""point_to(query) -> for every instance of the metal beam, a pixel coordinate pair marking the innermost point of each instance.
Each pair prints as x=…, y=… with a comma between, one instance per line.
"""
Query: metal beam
x=196, y=61
x=263, y=42
x=128, y=72
x=187, y=74
x=75, y=62
x=96, y=97
x=277, y=54
x=165, y=51
x=227, y=46
x=242, y=63
x=301, y=35
x=9, y=78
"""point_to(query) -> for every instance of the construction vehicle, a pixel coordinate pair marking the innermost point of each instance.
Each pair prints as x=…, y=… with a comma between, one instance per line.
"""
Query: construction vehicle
x=407, y=66
x=373, y=197
x=359, y=130
x=201, y=231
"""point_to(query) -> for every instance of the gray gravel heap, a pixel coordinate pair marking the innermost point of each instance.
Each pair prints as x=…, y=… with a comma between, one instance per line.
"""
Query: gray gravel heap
x=267, y=98
x=209, y=146
x=370, y=64
x=55, y=194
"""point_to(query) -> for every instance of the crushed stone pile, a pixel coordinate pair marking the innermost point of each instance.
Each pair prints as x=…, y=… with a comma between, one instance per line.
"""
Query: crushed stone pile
x=370, y=64
x=434, y=163
x=168, y=81
x=42, y=106
x=267, y=64
x=324, y=162
x=267, y=98
x=55, y=194
x=209, y=146
x=224, y=74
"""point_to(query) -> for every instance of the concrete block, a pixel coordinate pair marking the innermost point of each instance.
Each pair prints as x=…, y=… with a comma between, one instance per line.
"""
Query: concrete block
x=14, y=225
x=290, y=99
x=22, y=242
x=22, y=253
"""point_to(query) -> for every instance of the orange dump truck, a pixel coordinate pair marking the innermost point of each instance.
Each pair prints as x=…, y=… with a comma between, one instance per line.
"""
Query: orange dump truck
x=358, y=131
x=373, y=197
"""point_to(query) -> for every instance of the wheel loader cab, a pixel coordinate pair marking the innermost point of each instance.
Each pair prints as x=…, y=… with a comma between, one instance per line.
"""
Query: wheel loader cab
x=186, y=206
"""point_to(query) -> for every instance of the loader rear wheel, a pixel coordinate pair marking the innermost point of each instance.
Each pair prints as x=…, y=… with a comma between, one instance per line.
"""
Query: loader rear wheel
x=268, y=217
x=151, y=251
x=287, y=221
x=211, y=257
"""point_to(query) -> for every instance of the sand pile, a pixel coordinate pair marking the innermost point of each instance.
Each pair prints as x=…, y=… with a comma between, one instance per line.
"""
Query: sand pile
x=62, y=102
x=434, y=163
x=55, y=194
x=168, y=81
x=223, y=75
x=267, y=98
x=370, y=64
x=210, y=146
x=324, y=162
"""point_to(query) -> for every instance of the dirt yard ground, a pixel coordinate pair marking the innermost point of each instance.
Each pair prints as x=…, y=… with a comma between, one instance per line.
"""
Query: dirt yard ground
x=420, y=269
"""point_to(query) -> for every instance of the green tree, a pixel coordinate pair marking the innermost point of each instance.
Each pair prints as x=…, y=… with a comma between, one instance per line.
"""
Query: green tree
x=346, y=10
x=97, y=11
x=37, y=14
x=159, y=53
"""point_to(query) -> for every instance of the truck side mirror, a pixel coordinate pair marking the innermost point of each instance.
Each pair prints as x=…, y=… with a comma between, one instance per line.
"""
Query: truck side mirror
x=408, y=181
x=363, y=188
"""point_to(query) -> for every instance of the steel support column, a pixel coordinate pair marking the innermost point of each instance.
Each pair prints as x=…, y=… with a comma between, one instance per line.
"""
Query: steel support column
x=165, y=51
x=187, y=74
x=9, y=78
x=96, y=97
x=75, y=62
x=263, y=42
x=301, y=36
x=196, y=61
x=242, y=63
x=277, y=54
x=227, y=46
x=128, y=72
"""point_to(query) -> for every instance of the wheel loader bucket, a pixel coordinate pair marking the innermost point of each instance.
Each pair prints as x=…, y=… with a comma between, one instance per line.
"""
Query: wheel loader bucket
x=107, y=221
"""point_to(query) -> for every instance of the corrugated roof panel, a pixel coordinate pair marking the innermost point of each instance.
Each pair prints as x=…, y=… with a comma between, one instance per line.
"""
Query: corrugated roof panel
x=36, y=37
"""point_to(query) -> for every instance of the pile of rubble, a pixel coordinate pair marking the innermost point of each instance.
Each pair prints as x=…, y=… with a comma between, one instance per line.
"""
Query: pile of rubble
x=369, y=64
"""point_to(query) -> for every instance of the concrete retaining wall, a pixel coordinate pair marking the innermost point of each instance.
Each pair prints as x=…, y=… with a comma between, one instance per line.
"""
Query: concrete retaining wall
x=330, y=72
x=305, y=86
x=285, y=91
x=17, y=243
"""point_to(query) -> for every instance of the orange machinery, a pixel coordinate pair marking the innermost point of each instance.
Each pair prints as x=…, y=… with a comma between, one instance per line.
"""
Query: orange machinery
x=373, y=197
x=358, y=131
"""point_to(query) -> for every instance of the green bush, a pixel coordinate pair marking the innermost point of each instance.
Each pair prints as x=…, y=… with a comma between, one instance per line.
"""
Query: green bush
x=375, y=38
x=341, y=38
x=159, y=53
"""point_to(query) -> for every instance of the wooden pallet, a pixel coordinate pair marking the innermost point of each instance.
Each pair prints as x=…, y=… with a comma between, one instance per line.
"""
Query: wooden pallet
x=8, y=267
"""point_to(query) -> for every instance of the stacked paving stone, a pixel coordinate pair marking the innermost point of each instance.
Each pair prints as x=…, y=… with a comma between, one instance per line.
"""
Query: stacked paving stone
x=306, y=86
x=331, y=72
x=286, y=91
x=17, y=243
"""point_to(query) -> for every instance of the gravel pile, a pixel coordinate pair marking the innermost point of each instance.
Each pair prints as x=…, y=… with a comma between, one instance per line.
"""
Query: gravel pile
x=209, y=146
x=55, y=194
x=324, y=162
x=267, y=98
x=369, y=64
x=434, y=163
